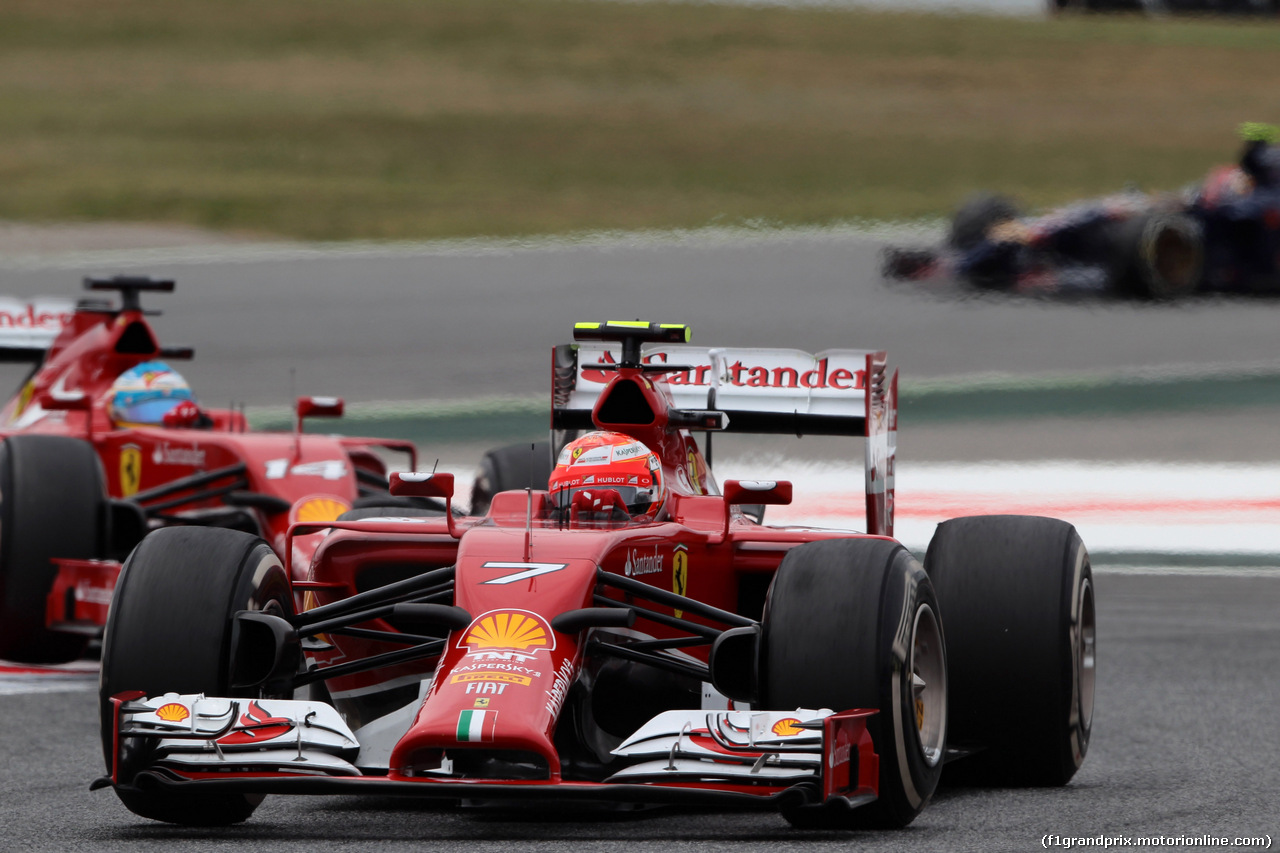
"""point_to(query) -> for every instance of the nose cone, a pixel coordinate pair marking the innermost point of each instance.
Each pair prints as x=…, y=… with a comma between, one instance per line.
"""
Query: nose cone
x=499, y=690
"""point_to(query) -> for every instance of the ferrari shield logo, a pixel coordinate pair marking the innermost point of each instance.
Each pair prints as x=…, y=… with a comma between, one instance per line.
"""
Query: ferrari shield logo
x=680, y=573
x=130, y=470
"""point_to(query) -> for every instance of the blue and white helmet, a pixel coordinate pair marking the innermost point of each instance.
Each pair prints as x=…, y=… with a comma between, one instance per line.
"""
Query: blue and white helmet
x=145, y=393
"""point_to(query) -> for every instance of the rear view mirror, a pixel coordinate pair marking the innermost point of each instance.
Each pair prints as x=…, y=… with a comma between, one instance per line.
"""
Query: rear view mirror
x=753, y=495
x=427, y=485
x=437, y=485
x=319, y=407
x=66, y=401
x=757, y=492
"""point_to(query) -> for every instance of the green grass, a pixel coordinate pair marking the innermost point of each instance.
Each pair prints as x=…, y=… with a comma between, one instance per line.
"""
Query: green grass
x=337, y=119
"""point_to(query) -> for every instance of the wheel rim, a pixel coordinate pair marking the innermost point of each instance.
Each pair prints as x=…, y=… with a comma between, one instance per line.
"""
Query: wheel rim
x=1087, y=667
x=929, y=685
x=1174, y=257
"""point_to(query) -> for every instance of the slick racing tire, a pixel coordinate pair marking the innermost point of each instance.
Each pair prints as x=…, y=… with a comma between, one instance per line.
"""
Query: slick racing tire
x=853, y=623
x=169, y=631
x=1017, y=596
x=517, y=466
x=1159, y=255
x=52, y=504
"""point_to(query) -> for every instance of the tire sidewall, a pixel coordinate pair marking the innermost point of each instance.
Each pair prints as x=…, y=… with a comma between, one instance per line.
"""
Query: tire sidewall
x=1077, y=584
x=906, y=592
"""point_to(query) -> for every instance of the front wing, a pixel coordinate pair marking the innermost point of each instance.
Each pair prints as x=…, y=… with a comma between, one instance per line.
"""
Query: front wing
x=766, y=759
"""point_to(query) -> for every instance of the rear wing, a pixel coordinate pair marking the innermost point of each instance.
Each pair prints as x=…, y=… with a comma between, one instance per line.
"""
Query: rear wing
x=29, y=327
x=760, y=391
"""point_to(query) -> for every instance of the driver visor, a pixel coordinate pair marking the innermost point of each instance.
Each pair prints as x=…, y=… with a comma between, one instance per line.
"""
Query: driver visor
x=636, y=500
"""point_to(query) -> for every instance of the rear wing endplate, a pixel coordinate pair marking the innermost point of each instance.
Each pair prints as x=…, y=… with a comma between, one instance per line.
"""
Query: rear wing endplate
x=762, y=391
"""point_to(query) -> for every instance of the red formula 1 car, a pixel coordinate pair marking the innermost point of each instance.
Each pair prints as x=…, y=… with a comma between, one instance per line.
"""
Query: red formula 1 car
x=104, y=442
x=627, y=636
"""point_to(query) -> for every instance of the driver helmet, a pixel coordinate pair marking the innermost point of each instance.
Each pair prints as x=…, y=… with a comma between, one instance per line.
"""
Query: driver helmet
x=145, y=393
x=610, y=460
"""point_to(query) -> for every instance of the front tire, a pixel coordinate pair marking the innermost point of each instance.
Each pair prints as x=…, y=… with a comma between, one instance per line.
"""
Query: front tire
x=853, y=623
x=169, y=631
x=52, y=504
x=1017, y=595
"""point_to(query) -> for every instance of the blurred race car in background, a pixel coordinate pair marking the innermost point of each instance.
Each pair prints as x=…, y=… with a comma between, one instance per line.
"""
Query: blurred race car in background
x=105, y=441
x=625, y=636
x=1222, y=235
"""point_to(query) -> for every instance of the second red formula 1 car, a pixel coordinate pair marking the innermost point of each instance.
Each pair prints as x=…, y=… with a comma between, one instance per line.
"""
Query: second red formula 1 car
x=626, y=636
x=105, y=441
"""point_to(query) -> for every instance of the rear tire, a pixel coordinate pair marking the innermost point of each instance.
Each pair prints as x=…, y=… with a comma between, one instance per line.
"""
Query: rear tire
x=853, y=623
x=1017, y=596
x=517, y=466
x=53, y=503
x=169, y=631
x=1160, y=255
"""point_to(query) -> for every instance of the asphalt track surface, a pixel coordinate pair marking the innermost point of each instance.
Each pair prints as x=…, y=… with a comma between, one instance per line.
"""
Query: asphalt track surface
x=1186, y=735
x=450, y=321
x=1185, y=742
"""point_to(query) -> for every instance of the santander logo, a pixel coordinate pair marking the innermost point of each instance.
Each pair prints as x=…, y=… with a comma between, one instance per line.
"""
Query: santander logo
x=26, y=317
x=748, y=375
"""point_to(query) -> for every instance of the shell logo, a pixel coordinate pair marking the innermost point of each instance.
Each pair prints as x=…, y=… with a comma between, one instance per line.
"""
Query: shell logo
x=509, y=629
x=320, y=509
x=787, y=727
x=173, y=712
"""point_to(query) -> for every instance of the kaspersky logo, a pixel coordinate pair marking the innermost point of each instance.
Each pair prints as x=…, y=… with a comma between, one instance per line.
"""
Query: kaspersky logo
x=508, y=630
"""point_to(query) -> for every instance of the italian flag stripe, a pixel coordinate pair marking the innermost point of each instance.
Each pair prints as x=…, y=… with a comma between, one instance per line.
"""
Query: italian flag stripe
x=472, y=725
